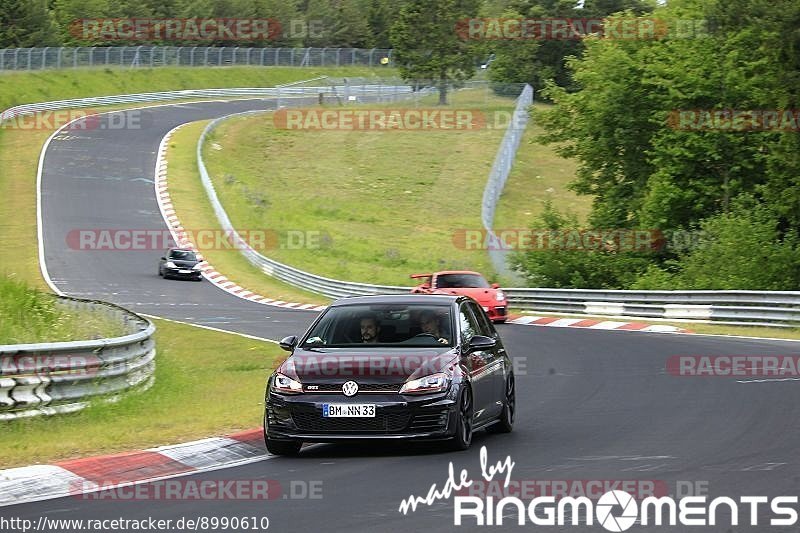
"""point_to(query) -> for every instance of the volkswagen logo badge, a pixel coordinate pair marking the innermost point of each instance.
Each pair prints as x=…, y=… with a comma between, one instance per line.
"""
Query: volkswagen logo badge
x=350, y=388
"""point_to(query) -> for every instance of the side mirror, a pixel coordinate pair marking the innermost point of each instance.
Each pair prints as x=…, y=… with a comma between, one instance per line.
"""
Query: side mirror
x=495, y=285
x=163, y=258
x=288, y=343
x=480, y=342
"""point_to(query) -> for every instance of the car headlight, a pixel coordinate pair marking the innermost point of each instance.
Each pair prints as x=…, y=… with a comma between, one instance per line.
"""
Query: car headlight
x=198, y=266
x=170, y=264
x=424, y=385
x=499, y=296
x=287, y=385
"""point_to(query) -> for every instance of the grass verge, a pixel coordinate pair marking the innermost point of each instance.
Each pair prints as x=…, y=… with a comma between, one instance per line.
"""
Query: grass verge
x=39, y=86
x=214, y=388
x=28, y=315
x=539, y=175
x=386, y=204
x=195, y=213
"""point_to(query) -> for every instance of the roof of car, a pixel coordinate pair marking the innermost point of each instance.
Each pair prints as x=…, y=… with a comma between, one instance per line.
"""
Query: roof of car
x=456, y=272
x=398, y=299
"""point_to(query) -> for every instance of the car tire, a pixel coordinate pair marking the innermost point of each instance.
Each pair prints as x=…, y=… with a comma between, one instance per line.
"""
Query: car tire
x=505, y=423
x=464, y=422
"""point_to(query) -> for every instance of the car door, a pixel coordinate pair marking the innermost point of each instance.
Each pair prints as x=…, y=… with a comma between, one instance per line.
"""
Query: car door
x=477, y=362
x=497, y=359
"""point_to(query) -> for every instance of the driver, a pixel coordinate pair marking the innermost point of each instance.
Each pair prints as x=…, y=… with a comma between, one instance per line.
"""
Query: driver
x=429, y=323
x=370, y=328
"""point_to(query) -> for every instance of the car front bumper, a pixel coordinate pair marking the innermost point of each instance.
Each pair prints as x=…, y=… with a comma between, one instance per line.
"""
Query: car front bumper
x=182, y=273
x=299, y=417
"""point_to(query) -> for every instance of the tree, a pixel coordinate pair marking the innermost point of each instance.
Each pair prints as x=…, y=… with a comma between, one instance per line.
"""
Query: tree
x=26, y=23
x=427, y=46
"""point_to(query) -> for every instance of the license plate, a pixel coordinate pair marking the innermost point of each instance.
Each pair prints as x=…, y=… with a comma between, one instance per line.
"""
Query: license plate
x=185, y=271
x=348, y=410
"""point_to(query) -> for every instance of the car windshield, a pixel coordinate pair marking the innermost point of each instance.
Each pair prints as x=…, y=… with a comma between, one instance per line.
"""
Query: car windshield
x=447, y=281
x=416, y=325
x=182, y=255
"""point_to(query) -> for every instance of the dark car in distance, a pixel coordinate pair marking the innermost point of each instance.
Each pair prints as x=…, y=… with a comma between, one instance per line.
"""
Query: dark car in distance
x=181, y=263
x=391, y=367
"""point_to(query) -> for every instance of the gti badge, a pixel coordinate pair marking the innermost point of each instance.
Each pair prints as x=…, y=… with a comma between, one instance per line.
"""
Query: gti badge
x=350, y=388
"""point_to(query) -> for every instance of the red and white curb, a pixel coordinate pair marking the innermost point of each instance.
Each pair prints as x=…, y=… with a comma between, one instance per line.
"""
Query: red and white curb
x=179, y=234
x=82, y=476
x=585, y=323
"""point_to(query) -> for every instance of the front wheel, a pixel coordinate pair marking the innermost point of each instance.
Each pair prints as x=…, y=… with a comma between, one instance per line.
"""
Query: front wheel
x=505, y=423
x=463, y=437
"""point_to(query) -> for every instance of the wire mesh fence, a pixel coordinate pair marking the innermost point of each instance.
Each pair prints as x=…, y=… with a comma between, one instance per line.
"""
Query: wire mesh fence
x=189, y=56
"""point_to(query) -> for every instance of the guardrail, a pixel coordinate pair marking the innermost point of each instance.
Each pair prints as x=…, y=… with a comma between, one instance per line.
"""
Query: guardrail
x=499, y=175
x=377, y=92
x=190, y=56
x=61, y=377
x=767, y=308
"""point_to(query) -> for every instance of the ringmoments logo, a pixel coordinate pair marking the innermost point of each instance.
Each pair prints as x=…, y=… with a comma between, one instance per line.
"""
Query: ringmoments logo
x=615, y=510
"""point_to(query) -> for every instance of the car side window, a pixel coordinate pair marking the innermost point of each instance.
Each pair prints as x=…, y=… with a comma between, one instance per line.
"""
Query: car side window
x=484, y=326
x=467, y=324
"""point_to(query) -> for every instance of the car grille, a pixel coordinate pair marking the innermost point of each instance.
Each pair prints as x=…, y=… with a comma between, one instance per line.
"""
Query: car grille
x=429, y=422
x=500, y=311
x=311, y=419
x=334, y=388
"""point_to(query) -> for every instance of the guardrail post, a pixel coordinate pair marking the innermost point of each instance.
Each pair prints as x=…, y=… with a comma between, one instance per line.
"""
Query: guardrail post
x=30, y=57
x=219, y=56
x=371, y=52
x=44, y=56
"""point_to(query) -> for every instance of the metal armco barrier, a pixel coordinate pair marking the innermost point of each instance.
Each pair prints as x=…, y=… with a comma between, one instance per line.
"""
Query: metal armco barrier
x=379, y=92
x=60, y=377
x=55, y=57
x=499, y=174
x=768, y=308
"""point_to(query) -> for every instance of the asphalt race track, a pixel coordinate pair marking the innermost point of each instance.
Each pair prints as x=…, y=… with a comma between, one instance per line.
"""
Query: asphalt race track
x=592, y=405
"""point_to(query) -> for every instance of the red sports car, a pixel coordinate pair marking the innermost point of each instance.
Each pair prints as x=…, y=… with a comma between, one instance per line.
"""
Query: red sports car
x=468, y=283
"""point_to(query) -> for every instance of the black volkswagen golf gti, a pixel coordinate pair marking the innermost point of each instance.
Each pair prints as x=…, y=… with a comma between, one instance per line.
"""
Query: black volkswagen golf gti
x=391, y=367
